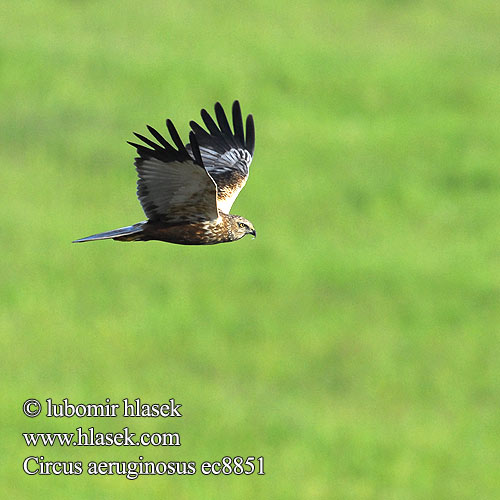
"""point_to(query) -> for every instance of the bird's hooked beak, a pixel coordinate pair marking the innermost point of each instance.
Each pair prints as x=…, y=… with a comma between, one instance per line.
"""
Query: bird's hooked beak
x=253, y=233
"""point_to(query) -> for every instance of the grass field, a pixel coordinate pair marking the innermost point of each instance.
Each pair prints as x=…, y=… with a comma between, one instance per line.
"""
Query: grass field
x=354, y=343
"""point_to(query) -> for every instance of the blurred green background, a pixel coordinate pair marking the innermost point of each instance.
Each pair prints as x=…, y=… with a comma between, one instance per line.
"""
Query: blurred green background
x=354, y=343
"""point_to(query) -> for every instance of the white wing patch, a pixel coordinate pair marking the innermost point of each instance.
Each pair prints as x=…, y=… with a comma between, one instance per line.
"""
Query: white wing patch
x=229, y=170
x=234, y=159
x=224, y=203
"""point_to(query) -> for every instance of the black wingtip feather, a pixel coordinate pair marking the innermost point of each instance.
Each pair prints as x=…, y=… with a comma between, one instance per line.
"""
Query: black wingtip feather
x=219, y=136
x=250, y=134
x=238, y=122
x=149, y=142
x=159, y=137
x=136, y=146
x=222, y=119
x=175, y=136
x=198, y=129
x=195, y=148
x=209, y=122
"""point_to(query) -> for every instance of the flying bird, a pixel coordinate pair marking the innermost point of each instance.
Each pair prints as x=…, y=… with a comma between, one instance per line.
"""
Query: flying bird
x=186, y=191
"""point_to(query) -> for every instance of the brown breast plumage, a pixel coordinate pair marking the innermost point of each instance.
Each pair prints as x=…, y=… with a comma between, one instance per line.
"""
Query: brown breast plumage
x=195, y=233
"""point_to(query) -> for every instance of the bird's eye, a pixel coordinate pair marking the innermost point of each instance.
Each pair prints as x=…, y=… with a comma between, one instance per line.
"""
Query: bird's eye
x=242, y=225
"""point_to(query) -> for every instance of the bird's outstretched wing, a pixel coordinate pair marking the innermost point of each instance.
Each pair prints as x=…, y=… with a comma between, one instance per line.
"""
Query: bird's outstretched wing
x=173, y=185
x=226, y=153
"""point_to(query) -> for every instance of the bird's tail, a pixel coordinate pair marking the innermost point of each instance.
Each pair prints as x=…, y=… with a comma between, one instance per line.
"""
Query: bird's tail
x=129, y=233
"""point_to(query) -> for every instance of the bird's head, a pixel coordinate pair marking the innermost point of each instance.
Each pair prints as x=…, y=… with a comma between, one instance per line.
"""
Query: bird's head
x=241, y=227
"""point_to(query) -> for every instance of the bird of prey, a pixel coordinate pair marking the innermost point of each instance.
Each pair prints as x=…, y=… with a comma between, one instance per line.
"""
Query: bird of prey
x=186, y=191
